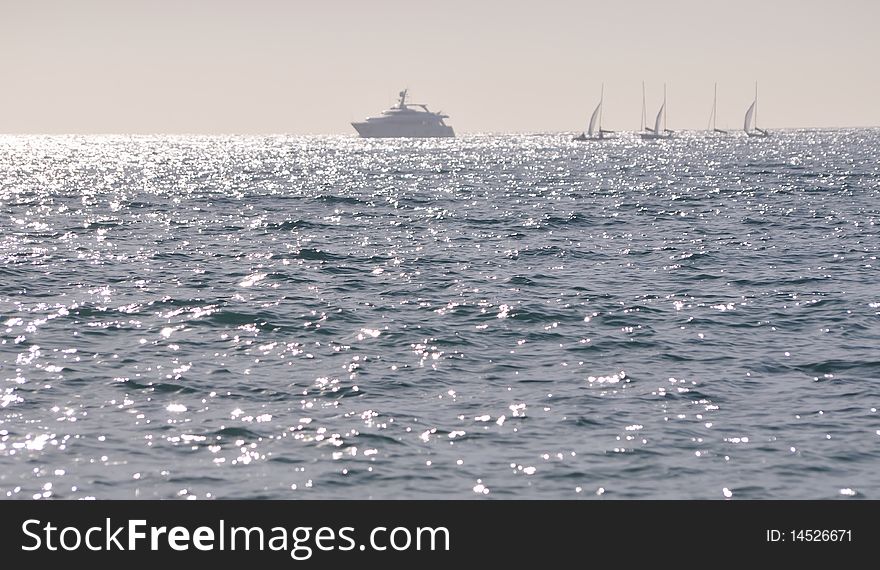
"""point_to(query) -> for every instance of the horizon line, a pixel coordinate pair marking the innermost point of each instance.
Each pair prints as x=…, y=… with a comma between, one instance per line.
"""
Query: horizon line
x=354, y=135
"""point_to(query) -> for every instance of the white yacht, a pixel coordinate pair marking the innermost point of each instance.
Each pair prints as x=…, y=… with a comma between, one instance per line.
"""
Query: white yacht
x=403, y=120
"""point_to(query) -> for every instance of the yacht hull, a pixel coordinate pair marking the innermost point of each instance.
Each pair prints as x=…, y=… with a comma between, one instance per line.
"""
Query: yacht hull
x=377, y=130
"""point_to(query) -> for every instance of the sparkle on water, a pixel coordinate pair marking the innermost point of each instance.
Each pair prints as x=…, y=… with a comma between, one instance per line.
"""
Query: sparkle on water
x=489, y=316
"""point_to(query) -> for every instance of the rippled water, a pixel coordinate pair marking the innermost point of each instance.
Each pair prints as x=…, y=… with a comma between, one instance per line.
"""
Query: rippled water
x=489, y=316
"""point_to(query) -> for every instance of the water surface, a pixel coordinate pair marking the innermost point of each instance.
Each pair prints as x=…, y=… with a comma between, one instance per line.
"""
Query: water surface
x=488, y=316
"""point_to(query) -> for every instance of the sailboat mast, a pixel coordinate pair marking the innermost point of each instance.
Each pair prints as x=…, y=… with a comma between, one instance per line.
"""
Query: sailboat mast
x=643, y=107
x=601, y=101
x=756, y=104
x=665, y=109
x=715, y=108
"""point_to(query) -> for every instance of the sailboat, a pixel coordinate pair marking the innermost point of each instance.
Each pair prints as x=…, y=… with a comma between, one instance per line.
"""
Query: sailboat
x=712, y=118
x=752, y=113
x=657, y=132
x=593, y=133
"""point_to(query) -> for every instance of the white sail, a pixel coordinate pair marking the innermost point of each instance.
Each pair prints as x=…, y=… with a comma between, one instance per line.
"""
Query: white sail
x=593, y=120
x=748, y=121
x=658, y=122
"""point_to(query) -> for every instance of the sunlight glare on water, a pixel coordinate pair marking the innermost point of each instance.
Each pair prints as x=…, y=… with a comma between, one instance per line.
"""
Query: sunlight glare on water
x=512, y=316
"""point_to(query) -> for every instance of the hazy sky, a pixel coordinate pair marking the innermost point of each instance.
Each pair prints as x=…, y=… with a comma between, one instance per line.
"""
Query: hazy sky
x=274, y=66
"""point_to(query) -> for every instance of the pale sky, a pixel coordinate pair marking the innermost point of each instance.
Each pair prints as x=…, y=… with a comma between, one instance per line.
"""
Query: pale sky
x=299, y=66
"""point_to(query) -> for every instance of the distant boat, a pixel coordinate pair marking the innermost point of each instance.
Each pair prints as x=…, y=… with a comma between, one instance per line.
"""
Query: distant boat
x=404, y=121
x=712, y=118
x=595, y=132
x=659, y=131
x=752, y=113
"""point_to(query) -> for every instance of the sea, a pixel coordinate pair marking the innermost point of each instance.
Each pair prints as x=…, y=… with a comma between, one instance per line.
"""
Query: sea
x=486, y=317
